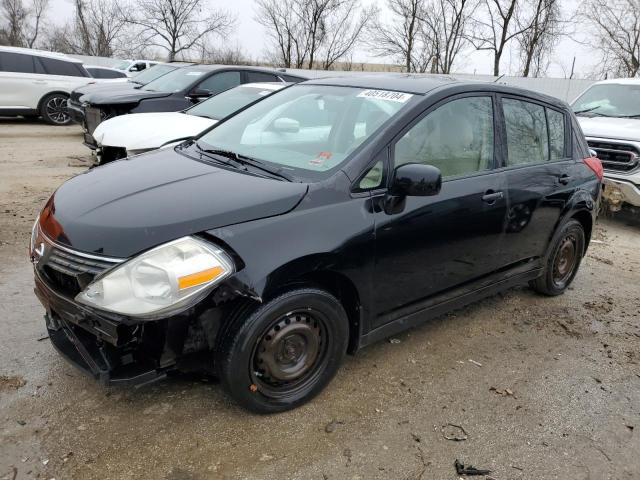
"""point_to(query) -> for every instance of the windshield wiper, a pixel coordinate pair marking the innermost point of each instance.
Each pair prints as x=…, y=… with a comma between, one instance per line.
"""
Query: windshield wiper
x=590, y=110
x=244, y=160
x=636, y=115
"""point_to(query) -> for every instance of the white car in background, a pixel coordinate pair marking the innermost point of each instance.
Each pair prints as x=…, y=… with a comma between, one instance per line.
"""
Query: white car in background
x=136, y=133
x=133, y=67
x=609, y=114
x=35, y=82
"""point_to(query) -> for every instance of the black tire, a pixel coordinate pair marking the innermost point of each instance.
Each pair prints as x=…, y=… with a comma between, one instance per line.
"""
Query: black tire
x=283, y=353
x=562, y=260
x=53, y=109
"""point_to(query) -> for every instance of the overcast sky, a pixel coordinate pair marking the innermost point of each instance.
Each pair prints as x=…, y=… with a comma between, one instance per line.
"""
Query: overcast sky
x=249, y=35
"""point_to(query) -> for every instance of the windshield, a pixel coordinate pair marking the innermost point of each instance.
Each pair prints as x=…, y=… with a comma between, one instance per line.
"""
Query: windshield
x=307, y=130
x=150, y=74
x=225, y=103
x=175, y=81
x=123, y=65
x=610, y=99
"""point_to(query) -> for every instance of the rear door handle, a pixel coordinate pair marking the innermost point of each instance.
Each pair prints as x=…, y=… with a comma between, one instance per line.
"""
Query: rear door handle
x=564, y=179
x=492, y=197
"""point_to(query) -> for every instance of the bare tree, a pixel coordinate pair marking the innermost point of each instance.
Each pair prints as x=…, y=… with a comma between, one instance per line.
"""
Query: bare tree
x=400, y=37
x=285, y=29
x=15, y=15
x=177, y=26
x=498, y=28
x=22, y=23
x=446, y=28
x=543, y=28
x=614, y=31
x=343, y=29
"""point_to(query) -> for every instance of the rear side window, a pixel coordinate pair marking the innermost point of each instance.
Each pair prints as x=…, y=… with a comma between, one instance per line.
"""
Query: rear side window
x=59, y=67
x=457, y=138
x=527, y=137
x=17, y=62
x=220, y=82
x=257, y=77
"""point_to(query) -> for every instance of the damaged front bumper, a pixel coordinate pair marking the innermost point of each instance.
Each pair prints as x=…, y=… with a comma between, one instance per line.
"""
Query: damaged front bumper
x=117, y=350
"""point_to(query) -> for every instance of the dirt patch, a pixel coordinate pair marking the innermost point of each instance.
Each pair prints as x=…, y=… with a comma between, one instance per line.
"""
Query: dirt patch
x=11, y=382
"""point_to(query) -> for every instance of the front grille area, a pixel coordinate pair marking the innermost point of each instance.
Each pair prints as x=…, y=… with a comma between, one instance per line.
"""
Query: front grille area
x=69, y=272
x=93, y=118
x=617, y=157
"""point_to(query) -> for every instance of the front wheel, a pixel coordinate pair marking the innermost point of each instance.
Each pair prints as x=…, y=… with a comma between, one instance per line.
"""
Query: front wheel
x=562, y=261
x=54, y=109
x=284, y=352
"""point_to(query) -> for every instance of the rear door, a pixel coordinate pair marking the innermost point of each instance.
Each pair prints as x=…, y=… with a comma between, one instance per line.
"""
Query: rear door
x=538, y=167
x=437, y=243
x=21, y=81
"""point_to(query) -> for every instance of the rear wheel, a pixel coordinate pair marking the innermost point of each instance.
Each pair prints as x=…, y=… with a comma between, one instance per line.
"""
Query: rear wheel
x=562, y=261
x=284, y=352
x=54, y=109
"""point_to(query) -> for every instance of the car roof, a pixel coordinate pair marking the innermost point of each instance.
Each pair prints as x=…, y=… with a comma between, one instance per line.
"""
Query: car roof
x=422, y=84
x=264, y=85
x=209, y=67
x=621, y=81
x=40, y=53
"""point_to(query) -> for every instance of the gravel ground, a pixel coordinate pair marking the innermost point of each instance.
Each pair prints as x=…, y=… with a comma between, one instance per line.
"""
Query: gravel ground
x=543, y=387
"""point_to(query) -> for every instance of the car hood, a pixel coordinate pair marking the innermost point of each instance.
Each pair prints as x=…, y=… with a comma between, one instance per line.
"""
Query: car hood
x=607, y=127
x=140, y=131
x=121, y=96
x=101, y=87
x=131, y=205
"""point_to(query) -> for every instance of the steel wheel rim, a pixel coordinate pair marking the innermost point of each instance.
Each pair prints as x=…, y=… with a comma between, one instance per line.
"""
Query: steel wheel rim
x=290, y=354
x=56, y=109
x=565, y=260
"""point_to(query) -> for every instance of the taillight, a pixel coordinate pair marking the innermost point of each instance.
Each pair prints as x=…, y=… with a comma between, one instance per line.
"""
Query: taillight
x=595, y=164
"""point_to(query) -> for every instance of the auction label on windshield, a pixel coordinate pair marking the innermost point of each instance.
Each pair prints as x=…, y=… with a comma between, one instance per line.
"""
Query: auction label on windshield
x=399, y=97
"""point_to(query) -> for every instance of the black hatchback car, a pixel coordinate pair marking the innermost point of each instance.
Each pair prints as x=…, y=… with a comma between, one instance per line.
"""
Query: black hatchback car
x=175, y=91
x=324, y=218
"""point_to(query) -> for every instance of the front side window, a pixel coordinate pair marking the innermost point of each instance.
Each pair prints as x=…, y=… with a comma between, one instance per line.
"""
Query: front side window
x=176, y=80
x=152, y=73
x=60, y=67
x=220, y=82
x=609, y=100
x=527, y=137
x=307, y=130
x=457, y=138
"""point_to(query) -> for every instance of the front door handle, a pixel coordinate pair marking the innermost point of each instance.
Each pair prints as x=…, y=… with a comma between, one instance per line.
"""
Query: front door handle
x=564, y=179
x=492, y=197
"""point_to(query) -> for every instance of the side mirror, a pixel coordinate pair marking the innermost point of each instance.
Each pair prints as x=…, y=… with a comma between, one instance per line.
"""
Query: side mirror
x=198, y=94
x=416, y=180
x=286, y=125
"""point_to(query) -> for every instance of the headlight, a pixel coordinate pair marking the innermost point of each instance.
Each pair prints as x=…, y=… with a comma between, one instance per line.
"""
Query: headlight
x=161, y=279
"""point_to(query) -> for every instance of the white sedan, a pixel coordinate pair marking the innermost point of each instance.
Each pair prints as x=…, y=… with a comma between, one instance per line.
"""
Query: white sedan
x=127, y=135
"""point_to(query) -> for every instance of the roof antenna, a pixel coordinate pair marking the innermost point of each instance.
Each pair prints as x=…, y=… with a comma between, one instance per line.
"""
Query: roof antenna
x=498, y=79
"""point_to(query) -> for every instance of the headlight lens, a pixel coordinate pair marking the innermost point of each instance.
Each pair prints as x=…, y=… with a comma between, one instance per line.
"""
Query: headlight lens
x=161, y=279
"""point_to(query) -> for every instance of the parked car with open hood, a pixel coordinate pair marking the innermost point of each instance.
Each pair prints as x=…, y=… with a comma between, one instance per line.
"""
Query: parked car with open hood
x=76, y=104
x=126, y=135
x=38, y=83
x=609, y=114
x=329, y=215
x=173, y=92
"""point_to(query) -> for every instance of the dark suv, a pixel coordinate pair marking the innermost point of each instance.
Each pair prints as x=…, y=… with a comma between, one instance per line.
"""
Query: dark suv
x=175, y=91
x=328, y=216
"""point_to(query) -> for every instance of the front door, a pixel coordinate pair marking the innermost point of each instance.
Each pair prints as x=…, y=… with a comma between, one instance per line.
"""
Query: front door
x=434, y=244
